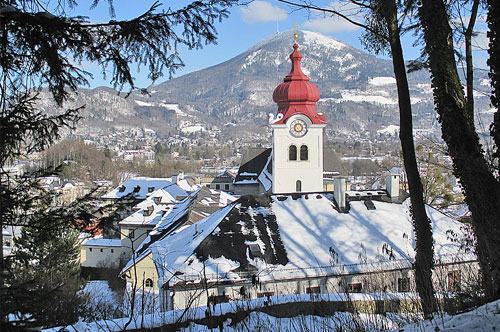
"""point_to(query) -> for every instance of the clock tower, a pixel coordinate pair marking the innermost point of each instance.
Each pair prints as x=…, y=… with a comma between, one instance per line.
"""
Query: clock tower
x=297, y=133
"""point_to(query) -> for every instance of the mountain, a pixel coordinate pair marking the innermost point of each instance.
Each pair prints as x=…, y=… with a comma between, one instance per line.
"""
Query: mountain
x=358, y=92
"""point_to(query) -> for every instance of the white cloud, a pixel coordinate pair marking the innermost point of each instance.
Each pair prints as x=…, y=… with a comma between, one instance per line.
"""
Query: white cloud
x=262, y=11
x=328, y=23
x=480, y=41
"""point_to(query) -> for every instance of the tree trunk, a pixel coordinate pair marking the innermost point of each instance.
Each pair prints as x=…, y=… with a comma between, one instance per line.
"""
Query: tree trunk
x=494, y=63
x=468, y=63
x=424, y=258
x=481, y=189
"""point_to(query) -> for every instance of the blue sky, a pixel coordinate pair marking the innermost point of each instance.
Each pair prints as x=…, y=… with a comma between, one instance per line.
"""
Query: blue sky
x=245, y=26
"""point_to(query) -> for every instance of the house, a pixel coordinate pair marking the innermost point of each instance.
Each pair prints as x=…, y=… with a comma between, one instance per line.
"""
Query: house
x=301, y=243
x=136, y=227
x=223, y=181
x=254, y=174
x=98, y=252
x=196, y=206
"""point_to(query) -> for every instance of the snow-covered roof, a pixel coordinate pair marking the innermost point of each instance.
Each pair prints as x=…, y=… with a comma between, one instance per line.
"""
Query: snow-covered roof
x=203, y=201
x=142, y=187
x=297, y=236
x=157, y=206
x=102, y=242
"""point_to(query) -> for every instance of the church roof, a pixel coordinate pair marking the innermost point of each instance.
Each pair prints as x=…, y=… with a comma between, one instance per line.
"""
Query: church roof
x=300, y=235
x=296, y=94
x=255, y=164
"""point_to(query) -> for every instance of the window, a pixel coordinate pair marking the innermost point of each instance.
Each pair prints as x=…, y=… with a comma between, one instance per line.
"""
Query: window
x=254, y=250
x=121, y=189
x=90, y=249
x=454, y=279
x=354, y=288
x=102, y=250
x=312, y=290
x=404, y=284
x=304, y=152
x=214, y=299
x=265, y=294
x=217, y=186
x=226, y=186
x=148, y=211
x=112, y=250
x=149, y=283
x=298, y=185
x=292, y=152
x=151, y=189
x=131, y=233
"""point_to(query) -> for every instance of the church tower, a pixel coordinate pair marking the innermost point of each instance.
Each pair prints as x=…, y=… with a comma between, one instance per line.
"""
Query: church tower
x=297, y=133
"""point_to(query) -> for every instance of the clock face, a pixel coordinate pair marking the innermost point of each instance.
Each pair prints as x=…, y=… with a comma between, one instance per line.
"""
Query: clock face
x=298, y=128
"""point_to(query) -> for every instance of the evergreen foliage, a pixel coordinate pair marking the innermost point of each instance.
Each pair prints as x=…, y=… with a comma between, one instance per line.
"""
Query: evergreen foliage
x=45, y=265
x=42, y=47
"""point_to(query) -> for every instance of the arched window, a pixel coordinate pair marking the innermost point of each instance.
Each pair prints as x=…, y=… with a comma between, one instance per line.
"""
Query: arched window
x=304, y=152
x=298, y=186
x=292, y=152
x=149, y=283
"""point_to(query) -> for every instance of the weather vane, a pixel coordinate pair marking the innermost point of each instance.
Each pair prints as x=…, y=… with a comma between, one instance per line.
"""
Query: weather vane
x=295, y=36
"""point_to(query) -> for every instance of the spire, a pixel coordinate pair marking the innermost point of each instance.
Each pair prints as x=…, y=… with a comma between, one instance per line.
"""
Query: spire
x=296, y=94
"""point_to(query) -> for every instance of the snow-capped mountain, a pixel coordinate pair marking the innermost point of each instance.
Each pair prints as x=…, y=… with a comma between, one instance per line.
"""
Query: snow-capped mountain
x=358, y=91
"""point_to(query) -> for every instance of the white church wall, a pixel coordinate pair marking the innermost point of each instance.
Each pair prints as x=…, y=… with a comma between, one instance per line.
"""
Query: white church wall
x=287, y=172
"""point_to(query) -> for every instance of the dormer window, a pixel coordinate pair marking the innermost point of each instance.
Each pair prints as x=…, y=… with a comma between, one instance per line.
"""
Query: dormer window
x=298, y=186
x=148, y=211
x=292, y=152
x=304, y=152
x=151, y=189
x=137, y=188
x=254, y=249
x=121, y=189
x=157, y=200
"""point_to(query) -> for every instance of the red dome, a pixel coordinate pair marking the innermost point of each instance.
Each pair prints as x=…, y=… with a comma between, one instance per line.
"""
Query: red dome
x=296, y=94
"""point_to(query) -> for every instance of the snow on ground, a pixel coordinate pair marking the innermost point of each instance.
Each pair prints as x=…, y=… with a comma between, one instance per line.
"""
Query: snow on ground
x=384, y=80
x=102, y=301
x=173, y=107
x=391, y=130
x=143, y=103
x=193, y=129
x=360, y=97
x=485, y=318
x=315, y=38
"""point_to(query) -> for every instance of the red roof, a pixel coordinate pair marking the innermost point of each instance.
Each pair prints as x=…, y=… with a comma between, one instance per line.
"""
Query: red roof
x=296, y=94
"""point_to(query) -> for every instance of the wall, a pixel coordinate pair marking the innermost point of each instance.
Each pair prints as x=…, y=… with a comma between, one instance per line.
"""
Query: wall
x=379, y=282
x=100, y=256
x=286, y=172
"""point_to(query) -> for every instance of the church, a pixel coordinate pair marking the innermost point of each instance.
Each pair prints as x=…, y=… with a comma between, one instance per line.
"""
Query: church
x=286, y=235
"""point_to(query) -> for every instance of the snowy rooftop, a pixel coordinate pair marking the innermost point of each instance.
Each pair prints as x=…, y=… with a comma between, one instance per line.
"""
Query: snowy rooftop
x=297, y=235
x=204, y=199
x=142, y=187
x=156, y=207
x=102, y=242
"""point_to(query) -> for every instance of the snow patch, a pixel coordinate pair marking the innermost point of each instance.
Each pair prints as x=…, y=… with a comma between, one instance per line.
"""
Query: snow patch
x=383, y=80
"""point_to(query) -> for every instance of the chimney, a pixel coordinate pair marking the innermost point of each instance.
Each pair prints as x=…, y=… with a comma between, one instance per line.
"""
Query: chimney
x=339, y=193
x=392, y=184
x=176, y=177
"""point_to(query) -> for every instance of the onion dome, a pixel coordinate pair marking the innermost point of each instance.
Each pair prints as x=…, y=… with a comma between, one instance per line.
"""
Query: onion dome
x=296, y=94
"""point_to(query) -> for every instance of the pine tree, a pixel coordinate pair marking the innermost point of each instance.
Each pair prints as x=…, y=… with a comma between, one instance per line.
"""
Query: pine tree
x=45, y=264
